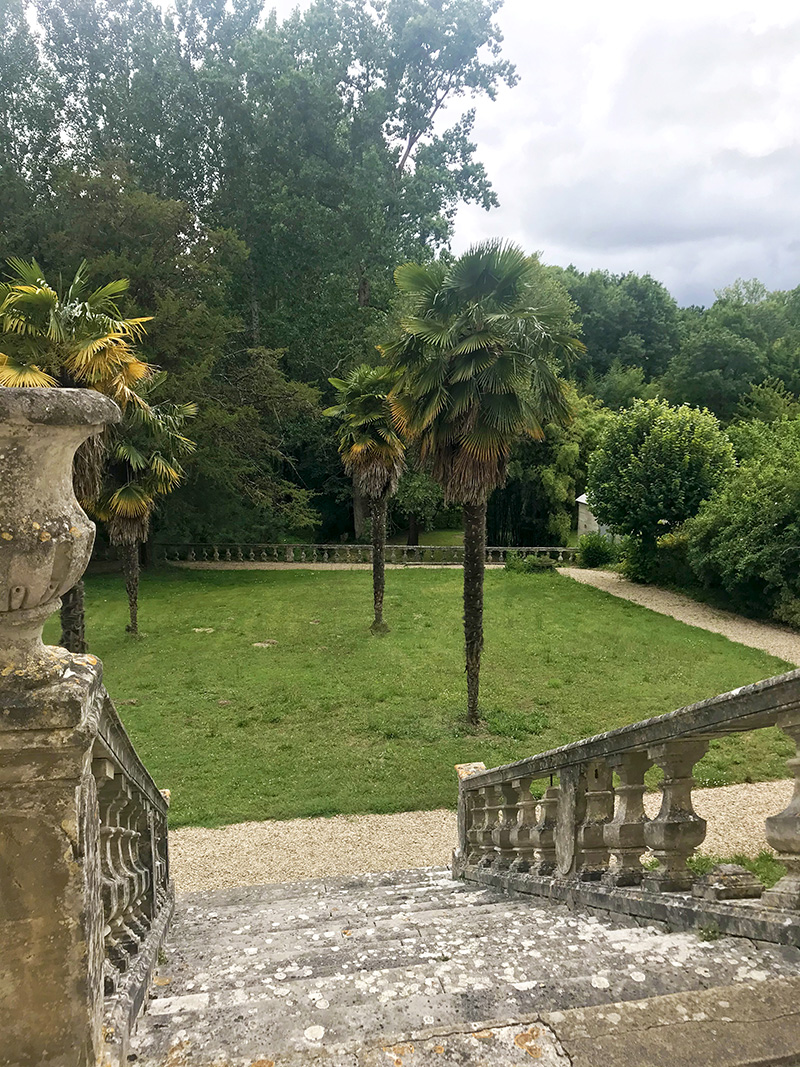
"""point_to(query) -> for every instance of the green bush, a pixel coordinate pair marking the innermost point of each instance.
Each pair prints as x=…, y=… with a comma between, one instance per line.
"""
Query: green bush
x=745, y=539
x=520, y=564
x=654, y=467
x=596, y=550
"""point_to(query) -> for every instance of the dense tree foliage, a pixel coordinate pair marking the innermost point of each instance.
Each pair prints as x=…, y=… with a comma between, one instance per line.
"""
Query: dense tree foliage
x=258, y=183
x=537, y=504
x=745, y=540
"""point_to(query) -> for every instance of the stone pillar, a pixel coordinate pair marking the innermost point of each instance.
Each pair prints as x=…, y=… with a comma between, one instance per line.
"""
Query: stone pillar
x=469, y=814
x=624, y=834
x=783, y=830
x=677, y=830
x=51, y=952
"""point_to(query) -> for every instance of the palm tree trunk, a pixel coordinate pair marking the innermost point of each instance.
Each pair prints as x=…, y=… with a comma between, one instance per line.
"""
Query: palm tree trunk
x=413, y=531
x=474, y=561
x=73, y=622
x=360, y=511
x=379, y=507
x=130, y=567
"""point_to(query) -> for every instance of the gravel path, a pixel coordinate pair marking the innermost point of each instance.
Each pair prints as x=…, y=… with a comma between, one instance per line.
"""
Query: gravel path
x=777, y=640
x=259, y=852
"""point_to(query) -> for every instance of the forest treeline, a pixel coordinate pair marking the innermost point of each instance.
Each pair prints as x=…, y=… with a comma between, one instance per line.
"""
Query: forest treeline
x=258, y=182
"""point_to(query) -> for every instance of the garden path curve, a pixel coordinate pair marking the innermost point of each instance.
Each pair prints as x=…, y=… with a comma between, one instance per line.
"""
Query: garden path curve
x=769, y=637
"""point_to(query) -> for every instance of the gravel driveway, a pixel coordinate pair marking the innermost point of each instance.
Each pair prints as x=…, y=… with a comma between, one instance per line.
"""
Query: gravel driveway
x=255, y=853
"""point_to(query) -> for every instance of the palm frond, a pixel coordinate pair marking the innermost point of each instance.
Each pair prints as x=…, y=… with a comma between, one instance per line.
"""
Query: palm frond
x=21, y=375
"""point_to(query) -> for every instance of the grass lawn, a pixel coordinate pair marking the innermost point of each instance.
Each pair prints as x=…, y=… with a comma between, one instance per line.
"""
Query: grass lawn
x=330, y=719
x=438, y=538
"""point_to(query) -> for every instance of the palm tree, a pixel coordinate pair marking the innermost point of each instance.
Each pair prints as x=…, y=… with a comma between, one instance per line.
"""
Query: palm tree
x=476, y=364
x=373, y=455
x=70, y=336
x=142, y=465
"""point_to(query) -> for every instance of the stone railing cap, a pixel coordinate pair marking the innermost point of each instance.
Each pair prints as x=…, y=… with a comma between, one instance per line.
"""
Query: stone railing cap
x=57, y=407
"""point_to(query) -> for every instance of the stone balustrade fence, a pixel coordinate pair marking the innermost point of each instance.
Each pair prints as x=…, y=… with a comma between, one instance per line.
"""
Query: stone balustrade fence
x=85, y=891
x=341, y=553
x=586, y=838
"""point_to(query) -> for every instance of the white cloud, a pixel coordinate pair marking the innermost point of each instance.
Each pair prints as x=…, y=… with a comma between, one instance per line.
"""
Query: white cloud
x=649, y=138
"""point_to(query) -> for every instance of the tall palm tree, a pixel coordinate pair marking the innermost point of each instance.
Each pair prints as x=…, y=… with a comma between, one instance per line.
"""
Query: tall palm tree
x=373, y=455
x=70, y=336
x=143, y=464
x=477, y=365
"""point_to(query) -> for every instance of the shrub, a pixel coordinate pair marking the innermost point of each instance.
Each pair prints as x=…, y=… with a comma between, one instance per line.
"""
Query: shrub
x=520, y=564
x=596, y=550
x=654, y=467
x=746, y=537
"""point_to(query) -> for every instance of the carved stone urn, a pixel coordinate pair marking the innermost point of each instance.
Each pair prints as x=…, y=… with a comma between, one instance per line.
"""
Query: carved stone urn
x=46, y=538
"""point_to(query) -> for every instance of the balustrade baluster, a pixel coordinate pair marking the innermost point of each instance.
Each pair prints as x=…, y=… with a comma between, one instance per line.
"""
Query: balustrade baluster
x=507, y=798
x=490, y=816
x=546, y=832
x=624, y=834
x=783, y=830
x=524, y=836
x=571, y=813
x=476, y=823
x=599, y=811
x=677, y=830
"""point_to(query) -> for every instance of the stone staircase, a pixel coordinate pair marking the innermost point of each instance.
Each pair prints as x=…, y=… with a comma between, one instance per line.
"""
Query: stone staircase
x=412, y=968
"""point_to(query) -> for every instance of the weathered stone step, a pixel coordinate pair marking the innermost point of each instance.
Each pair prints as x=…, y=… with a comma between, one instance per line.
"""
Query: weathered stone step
x=335, y=974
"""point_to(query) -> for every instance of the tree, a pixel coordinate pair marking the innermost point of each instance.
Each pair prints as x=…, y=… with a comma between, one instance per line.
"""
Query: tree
x=537, y=504
x=628, y=317
x=477, y=366
x=373, y=455
x=143, y=464
x=714, y=368
x=419, y=500
x=653, y=468
x=70, y=336
x=745, y=538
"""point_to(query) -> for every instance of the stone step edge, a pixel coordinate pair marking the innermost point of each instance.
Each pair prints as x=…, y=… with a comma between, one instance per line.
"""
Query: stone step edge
x=754, y=1024
x=750, y=1024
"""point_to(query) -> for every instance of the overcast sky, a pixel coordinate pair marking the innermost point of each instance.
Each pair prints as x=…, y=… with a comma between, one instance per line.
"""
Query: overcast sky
x=648, y=136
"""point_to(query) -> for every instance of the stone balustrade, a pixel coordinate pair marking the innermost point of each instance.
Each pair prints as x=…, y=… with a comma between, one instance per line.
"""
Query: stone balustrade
x=582, y=836
x=85, y=892
x=343, y=552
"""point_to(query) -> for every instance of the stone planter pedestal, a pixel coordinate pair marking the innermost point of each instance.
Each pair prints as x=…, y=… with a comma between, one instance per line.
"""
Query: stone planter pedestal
x=45, y=537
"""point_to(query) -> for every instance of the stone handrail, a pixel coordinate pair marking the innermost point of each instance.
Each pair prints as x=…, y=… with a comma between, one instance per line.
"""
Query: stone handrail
x=585, y=838
x=341, y=553
x=85, y=893
x=136, y=891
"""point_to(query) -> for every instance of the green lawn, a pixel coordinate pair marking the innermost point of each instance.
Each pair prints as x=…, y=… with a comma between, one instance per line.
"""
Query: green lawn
x=438, y=538
x=331, y=719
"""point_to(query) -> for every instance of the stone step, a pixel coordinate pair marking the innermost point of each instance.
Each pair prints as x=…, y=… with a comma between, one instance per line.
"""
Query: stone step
x=335, y=972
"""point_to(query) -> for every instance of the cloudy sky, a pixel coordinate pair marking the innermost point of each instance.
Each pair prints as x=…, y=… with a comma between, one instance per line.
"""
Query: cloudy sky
x=648, y=136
